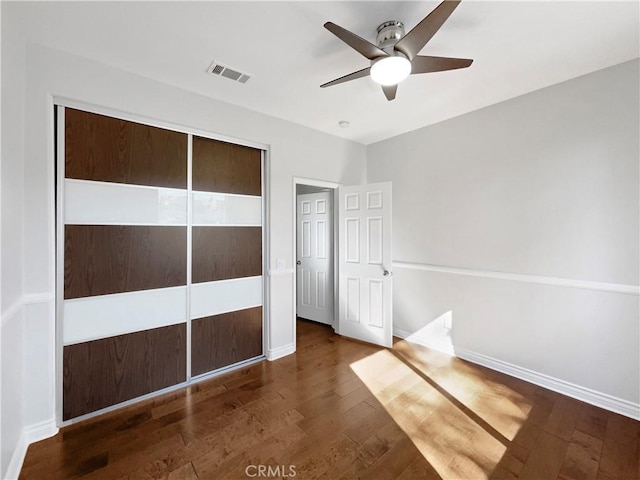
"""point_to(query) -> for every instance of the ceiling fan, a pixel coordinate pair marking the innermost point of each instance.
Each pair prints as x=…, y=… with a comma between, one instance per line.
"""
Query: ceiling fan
x=396, y=55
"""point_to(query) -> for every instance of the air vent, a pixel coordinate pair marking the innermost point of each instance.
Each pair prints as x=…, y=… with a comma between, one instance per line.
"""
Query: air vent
x=231, y=73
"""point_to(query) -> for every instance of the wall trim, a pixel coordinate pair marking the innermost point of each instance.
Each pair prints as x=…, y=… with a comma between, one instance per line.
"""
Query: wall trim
x=276, y=353
x=30, y=434
x=35, y=298
x=520, y=277
x=13, y=309
x=593, y=397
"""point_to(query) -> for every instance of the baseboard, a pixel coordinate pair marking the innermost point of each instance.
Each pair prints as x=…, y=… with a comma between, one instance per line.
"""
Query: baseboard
x=276, y=353
x=30, y=434
x=599, y=399
x=15, y=464
x=40, y=431
x=423, y=340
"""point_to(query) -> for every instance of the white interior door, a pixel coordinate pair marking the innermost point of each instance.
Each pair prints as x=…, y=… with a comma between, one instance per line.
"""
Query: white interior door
x=315, y=257
x=365, y=283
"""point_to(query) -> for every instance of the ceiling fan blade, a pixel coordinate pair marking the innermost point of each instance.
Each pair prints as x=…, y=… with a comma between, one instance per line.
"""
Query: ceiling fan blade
x=359, y=44
x=390, y=91
x=423, y=64
x=417, y=38
x=352, y=76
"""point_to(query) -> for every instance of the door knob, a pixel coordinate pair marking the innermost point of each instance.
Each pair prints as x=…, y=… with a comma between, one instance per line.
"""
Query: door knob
x=298, y=262
x=385, y=273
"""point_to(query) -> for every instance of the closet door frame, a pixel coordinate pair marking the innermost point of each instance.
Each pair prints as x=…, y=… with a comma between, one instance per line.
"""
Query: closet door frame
x=58, y=106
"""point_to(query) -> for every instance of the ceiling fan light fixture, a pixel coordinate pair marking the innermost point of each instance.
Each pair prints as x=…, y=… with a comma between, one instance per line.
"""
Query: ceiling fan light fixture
x=390, y=70
x=395, y=56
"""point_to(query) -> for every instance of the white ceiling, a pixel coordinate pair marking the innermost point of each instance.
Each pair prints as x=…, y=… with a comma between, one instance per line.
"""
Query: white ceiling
x=517, y=47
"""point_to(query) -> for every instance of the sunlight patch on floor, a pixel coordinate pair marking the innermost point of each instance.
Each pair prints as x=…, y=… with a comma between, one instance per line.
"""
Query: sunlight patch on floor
x=454, y=439
x=478, y=389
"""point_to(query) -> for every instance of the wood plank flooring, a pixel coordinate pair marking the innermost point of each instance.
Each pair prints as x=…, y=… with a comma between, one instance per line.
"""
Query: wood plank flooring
x=340, y=409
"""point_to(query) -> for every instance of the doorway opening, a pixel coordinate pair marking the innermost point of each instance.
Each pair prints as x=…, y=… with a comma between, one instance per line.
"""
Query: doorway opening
x=359, y=245
x=315, y=251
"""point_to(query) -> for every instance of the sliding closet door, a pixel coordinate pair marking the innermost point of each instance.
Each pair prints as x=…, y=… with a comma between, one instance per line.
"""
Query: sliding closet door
x=160, y=258
x=125, y=260
x=226, y=283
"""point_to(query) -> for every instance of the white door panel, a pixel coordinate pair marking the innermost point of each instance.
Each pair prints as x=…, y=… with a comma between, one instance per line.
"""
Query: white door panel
x=315, y=257
x=365, y=260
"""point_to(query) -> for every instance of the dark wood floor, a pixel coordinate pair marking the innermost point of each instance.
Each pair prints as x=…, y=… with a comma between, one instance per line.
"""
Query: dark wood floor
x=342, y=409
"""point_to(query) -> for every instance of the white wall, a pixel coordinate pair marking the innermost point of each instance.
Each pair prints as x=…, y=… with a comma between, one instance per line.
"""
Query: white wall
x=11, y=251
x=544, y=185
x=295, y=151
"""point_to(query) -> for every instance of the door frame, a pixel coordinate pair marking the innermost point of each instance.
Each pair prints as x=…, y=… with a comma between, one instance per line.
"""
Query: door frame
x=56, y=199
x=322, y=184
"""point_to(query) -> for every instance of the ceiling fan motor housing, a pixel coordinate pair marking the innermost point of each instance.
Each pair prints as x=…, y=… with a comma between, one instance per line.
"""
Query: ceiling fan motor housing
x=388, y=34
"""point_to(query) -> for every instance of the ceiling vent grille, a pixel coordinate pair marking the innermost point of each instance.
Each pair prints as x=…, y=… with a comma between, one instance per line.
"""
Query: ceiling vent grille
x=232, y=73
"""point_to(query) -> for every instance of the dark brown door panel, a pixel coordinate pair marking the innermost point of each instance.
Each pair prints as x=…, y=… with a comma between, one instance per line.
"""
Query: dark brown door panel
x=104, y=259
x=108, y=371
x=222, y=340
x=222, y=253
x=107, y=149
x=226, y=167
